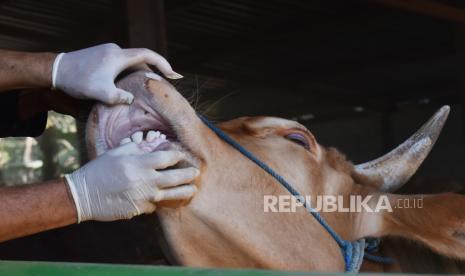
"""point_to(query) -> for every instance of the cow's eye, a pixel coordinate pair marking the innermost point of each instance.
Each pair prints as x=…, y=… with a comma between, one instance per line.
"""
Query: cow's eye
x=299, y=139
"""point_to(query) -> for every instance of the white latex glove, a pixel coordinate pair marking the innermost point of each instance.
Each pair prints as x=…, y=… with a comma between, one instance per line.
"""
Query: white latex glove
x=124, y=182
x=90, y=73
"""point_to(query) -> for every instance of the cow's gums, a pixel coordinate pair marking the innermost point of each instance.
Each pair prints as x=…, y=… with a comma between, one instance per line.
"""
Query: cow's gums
x=224, y=225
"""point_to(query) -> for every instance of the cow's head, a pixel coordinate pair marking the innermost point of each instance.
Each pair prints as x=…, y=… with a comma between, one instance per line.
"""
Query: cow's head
x=225, y=224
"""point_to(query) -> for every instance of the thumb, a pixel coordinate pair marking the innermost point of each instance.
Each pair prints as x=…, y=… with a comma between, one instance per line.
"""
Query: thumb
x=123, y=97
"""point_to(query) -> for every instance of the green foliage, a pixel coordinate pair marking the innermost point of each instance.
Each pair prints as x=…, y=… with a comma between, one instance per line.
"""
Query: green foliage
x=28, y=160
x=65, y=124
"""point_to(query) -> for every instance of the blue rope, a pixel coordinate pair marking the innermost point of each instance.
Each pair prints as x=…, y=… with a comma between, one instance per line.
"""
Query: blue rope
x=351, y=251
x=372, y=246
x=378, y=259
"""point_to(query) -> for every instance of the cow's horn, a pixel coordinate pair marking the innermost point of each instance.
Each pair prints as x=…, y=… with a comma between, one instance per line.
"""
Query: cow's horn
x=394, y=169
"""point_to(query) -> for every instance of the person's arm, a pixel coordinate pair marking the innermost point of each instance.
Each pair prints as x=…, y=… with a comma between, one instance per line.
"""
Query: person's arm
x=25, y=70
x=24, y=113
x=84, y=74
x=120, y=184
x=34, y=208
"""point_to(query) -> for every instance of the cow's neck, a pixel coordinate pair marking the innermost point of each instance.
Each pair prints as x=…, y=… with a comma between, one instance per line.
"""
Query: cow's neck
x=225, y=225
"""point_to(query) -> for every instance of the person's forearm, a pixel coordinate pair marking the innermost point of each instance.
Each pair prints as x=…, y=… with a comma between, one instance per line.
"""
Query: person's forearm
x=25, y=70
x=30, y=209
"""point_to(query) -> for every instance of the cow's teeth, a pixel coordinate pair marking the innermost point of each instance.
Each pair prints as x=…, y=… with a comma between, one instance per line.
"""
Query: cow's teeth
x=163, y=136
x=125, y=141
x=137, y=137
x=151, y=135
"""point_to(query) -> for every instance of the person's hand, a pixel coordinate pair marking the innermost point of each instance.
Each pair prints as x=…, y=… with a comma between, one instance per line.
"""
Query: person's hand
x=126, y=181
x=90, y=73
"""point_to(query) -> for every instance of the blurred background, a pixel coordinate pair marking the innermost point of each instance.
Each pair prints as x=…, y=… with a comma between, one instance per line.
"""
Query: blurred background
x=361, y=75
x=54, y=153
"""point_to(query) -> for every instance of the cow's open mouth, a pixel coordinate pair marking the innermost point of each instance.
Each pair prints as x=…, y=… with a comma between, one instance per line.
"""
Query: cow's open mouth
x=138, y=122
x=158, y=119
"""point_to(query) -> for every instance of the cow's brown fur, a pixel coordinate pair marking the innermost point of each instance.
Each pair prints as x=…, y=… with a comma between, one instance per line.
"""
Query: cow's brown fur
x=225, y=226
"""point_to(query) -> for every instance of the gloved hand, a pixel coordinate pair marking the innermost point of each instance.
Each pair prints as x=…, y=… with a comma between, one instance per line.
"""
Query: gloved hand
x=124, y=182
x=90, y=73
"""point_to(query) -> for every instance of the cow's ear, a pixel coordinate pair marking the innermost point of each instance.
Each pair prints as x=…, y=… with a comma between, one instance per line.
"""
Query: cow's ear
x=438, y=221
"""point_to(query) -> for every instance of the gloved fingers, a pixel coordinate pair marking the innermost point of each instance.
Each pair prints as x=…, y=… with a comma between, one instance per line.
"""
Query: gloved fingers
x=176, y=177
x=112, y=95
x=111, y=45
x=122, y=96
x=162, y=159
x=128, y=148
x=142, y=55
x=153, y=76
x=176, y=193
x=140, y=67
x=147, y=207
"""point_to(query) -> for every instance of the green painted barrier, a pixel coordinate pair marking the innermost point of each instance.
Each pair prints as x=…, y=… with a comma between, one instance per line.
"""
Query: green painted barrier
x=18, y=268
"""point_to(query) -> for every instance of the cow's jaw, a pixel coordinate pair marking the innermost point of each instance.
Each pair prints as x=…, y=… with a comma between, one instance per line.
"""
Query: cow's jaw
x=157, y=107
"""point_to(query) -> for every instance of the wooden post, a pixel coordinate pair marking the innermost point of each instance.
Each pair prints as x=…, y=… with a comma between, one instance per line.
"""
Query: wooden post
x=146, y=25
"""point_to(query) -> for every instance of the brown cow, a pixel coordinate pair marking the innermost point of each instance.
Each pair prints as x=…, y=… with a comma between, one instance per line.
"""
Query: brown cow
x=225, y=224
